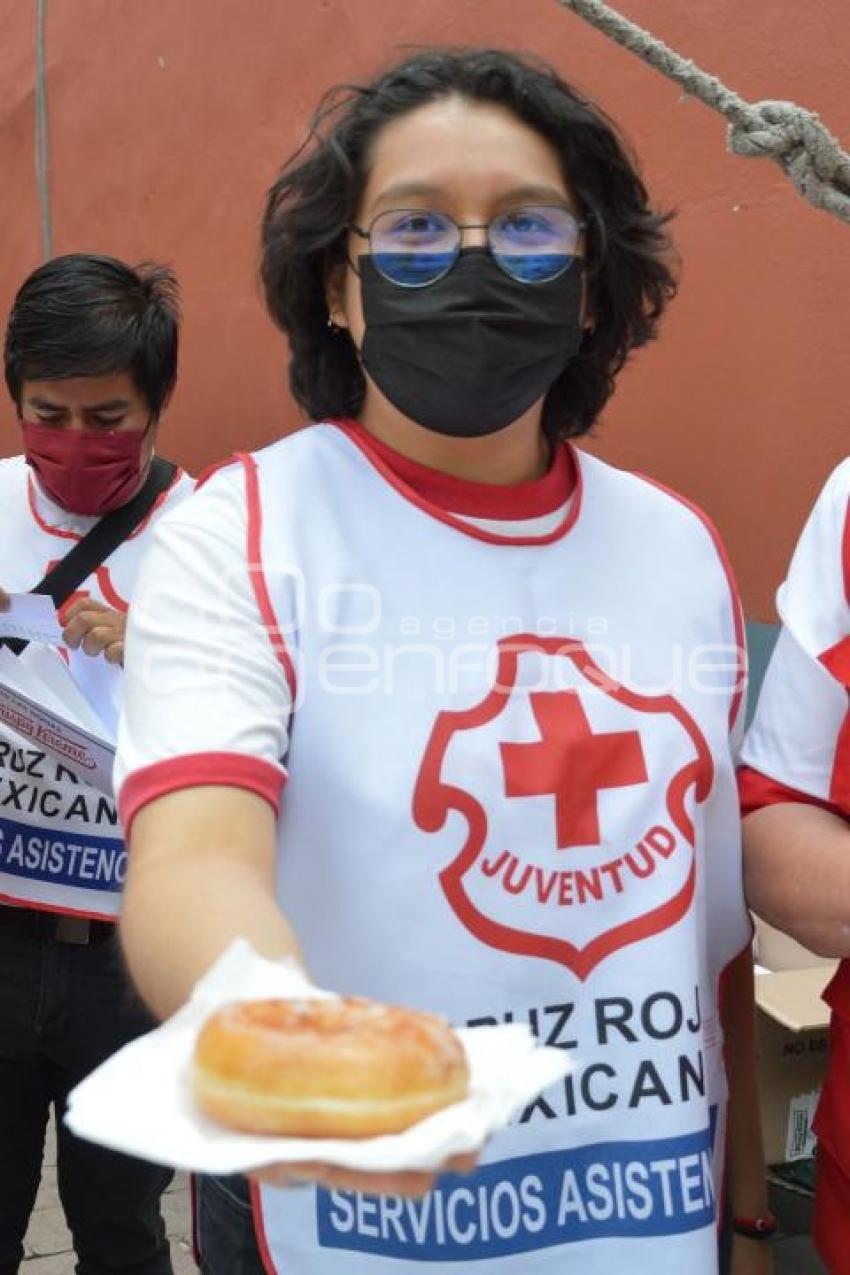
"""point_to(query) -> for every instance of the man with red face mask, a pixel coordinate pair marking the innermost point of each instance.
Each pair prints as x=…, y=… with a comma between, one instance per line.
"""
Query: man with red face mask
x=90, y=363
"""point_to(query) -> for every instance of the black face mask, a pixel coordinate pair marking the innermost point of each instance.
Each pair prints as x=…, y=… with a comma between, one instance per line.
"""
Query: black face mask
x=469, y=354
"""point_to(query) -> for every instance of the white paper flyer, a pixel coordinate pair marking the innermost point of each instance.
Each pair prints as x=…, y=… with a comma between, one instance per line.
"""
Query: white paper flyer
x=40, y=702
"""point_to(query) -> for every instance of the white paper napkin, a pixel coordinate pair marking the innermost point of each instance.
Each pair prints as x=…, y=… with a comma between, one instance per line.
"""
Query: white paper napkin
x=31, y=617
x=140, y=1100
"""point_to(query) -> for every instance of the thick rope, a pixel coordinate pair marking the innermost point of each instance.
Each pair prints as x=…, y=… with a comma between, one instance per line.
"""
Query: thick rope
x=789, y=134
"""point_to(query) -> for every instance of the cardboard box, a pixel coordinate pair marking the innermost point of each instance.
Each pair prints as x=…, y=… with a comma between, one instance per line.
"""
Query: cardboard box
x=792, y=1034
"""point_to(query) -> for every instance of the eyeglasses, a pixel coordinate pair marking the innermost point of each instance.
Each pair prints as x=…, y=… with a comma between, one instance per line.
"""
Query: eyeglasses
x=413, y=247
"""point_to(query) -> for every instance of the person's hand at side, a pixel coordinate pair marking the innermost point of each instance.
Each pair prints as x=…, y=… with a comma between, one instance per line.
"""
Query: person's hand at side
x=96, y=629
x=4, y=600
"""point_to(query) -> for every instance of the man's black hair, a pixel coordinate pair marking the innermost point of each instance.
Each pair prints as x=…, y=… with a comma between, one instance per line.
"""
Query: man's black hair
x=85, y=315
x=316, y=197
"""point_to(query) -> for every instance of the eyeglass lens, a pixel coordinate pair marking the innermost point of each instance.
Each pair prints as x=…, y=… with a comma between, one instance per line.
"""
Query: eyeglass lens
x=415, y=247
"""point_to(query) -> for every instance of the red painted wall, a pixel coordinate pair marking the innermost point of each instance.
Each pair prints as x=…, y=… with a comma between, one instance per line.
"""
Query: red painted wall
x=169, y=119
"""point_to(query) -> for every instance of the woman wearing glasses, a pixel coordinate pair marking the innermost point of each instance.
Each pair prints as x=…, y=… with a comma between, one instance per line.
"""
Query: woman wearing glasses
x=428, y=707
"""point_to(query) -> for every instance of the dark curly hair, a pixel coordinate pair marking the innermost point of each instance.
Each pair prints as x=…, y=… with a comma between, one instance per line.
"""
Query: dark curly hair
x=88, y=315
x=316, y=197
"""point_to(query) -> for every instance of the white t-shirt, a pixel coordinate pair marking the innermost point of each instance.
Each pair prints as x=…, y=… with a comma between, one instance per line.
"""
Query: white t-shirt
x=800, y=735
x=61, y=846
x=219, y=652
x=510, y=794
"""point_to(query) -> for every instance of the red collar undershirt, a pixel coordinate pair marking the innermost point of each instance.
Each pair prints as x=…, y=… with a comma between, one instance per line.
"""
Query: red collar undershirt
x=513, y=502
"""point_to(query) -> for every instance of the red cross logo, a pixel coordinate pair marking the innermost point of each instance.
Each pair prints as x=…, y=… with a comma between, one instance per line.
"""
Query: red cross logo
x=572, y=764
x=512, y=893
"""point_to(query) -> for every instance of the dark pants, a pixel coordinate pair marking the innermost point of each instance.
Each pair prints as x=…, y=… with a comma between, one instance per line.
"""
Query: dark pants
x=224, y=1229
x=64, y=1008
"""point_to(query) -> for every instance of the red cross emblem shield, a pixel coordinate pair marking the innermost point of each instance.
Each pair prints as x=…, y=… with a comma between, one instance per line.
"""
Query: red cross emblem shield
x=586, y=842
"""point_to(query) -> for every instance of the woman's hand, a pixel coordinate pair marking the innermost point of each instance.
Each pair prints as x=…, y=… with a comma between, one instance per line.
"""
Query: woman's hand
x=751, y=1257
x=334, y=1178
x=95, y=628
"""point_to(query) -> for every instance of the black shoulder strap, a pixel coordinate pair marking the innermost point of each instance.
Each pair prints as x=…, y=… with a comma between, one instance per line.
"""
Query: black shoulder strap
x=105, y=536
x=103, y=539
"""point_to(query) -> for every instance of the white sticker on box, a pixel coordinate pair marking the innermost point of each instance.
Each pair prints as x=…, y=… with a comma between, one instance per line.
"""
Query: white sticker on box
x=800, y=1141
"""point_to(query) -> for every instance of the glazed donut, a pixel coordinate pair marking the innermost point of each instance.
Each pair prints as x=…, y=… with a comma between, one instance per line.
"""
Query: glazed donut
x=341, y=1068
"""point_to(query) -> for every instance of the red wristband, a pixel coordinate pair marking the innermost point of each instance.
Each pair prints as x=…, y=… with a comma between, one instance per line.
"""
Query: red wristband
x=755, y=1228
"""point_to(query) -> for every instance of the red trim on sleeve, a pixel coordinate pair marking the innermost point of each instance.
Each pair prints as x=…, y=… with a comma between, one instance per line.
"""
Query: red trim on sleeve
x=257, y=574
x=363, y=442
x=756, y=791
x=199, y=770
x=737, y=609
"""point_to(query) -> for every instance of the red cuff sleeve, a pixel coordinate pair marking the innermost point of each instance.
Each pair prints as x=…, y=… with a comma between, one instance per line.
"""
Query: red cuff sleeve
x=756, y=790
x=199, y=770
